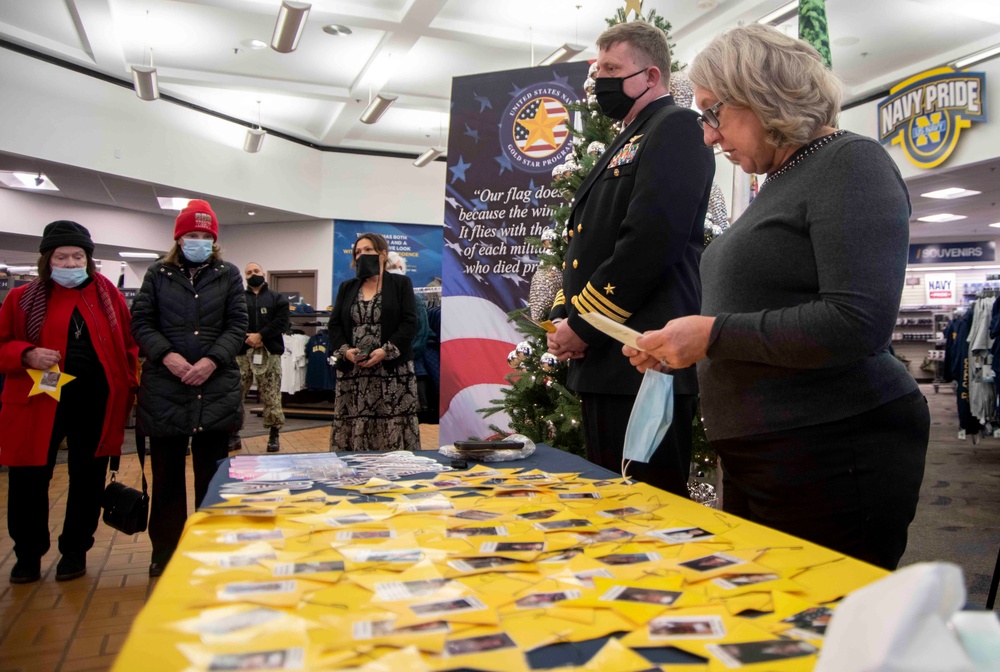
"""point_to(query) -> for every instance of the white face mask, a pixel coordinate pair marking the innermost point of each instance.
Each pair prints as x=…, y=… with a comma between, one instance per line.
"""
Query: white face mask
x=652, y=414
x=196, y=250
x=69, y=277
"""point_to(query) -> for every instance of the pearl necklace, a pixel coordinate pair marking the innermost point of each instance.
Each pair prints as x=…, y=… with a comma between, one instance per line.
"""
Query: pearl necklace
x=801, y=154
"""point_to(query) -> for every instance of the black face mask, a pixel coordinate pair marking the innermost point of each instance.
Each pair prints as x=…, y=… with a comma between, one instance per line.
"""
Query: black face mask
x=255, y=280
x=366, y=266
x=611, y=96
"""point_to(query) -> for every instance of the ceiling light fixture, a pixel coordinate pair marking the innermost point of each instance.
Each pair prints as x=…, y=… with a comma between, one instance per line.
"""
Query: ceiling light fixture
x=942, y=217
x=977, y=57
x=429, y=155
x=951, y=192
x=289, y=26
x=144, y=76
x=562, y=54
x=172, y=203
x=138, y=255
x=32, y=181
x=256, y=45
x=255, y=136
x=251, y=213
x=336, y=29
x=376, y=108
x=781, y=14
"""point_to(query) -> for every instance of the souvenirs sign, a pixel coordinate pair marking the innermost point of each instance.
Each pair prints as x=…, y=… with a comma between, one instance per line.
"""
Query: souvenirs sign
x=926, y=113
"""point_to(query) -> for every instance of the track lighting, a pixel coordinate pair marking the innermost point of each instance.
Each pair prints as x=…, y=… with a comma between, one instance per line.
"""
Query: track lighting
x=376, y=108
x=288, y=29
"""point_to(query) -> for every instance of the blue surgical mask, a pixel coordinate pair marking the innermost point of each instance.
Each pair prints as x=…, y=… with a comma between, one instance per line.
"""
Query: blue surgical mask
x=651, y=416
x=196, y=251
x=69, y=277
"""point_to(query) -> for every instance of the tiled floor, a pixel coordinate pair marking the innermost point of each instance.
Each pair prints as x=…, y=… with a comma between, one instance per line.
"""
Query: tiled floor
x=81, y=624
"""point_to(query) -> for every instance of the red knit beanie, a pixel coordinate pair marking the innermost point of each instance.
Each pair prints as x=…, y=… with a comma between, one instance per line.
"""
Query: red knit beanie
x=196, y=216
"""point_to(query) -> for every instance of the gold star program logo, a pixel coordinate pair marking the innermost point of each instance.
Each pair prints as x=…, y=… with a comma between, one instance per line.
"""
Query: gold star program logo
x=541, y=129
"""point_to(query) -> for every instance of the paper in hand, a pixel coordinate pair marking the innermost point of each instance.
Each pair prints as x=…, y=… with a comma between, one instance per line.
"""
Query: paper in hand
x=619, y=332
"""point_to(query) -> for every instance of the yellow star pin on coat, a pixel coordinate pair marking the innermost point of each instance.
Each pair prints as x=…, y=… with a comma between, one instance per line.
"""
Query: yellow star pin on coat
x=609, y=289
x=50, y=381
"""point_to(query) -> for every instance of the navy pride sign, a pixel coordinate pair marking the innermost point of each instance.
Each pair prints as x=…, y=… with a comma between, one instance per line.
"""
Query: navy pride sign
x=952, y=253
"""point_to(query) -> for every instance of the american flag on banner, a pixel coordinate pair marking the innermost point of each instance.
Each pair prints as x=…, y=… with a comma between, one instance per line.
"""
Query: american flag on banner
x=541, y=127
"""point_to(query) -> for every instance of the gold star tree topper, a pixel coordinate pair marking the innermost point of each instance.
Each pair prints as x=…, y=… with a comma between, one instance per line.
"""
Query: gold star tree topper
x=50, y=381
x=633, y=6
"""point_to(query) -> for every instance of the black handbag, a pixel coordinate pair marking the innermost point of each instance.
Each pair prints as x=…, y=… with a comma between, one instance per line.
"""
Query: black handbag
x=127, y=509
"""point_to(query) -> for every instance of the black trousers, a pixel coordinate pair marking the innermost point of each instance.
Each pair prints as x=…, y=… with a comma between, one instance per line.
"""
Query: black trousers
x=850, y=485
x=80, y=420
x=605, y=419
x=168, y=508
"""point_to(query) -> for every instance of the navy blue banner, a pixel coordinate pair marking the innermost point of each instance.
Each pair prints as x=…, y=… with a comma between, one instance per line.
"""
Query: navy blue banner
x=508, y=130
x=952, y=253
x=418, y=244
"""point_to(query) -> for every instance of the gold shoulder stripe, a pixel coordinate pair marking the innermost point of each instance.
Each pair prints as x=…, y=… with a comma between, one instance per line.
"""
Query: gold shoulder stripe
x=595, y=296
x=560, y=300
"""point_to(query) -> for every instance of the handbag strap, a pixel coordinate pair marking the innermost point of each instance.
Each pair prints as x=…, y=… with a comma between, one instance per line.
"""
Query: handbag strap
x=140, y=449
x=115, y=462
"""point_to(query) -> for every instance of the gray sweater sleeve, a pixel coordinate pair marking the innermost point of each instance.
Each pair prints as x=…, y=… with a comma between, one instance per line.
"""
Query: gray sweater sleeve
x=857, y=220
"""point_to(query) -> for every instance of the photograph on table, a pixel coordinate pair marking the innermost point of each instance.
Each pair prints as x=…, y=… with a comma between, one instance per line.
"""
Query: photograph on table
x=810, y=623
x=605, y=535
x=357, y=535
x=643, y=595
x=536, y=515
x=278, y=659
x=290, y=568
x=479, y=644
x=496, y=531
x=621, y=512
x=579, y=495
x=629, y=558
x=682, y=535
x=710, y=563
x=562, y=556
x=686, y=627
x=407, y=590
x=512, y=547
x=489, y=562
x=552, y=525
x=750, y=653
x=371, y=629
x=536, y=600
x=234, y=591
x=476, y=514
x=447, y=607
x=731, y=581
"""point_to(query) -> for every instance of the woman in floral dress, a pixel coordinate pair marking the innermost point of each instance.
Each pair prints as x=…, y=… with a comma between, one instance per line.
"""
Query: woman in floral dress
x=371, y=332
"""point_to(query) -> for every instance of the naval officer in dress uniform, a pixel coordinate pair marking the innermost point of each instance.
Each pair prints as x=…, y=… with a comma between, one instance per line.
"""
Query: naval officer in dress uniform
x=637, y=236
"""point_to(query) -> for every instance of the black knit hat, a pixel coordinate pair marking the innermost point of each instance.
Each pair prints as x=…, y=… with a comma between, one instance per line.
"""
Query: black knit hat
x=66, y=233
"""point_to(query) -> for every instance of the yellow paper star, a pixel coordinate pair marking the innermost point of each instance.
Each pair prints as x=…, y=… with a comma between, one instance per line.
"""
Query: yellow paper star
x=52, y=386
x=609, y=288
x=540, y=126
x=633, y=6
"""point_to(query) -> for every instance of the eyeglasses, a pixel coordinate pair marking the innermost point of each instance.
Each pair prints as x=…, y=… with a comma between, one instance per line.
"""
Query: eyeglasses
x=711, y=116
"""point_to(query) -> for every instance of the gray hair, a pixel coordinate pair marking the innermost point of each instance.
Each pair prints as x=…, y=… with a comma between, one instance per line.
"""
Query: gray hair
x=648, y=43
x=781, y=79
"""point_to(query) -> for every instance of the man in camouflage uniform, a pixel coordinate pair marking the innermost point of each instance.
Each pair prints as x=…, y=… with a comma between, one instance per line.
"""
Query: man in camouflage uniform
x=260, y=357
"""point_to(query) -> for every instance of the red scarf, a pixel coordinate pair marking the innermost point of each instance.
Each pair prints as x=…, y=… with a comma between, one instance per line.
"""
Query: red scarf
x=35, y=301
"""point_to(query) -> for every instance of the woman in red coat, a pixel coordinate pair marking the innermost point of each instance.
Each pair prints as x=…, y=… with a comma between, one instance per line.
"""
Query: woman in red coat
x=73, y=317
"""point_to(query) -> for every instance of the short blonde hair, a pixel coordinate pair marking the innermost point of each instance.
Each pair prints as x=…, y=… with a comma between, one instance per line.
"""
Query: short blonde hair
x=781, y=79
x=648, y=43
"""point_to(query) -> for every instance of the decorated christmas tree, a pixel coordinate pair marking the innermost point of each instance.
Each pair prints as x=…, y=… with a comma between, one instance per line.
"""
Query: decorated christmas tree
x=537, y=401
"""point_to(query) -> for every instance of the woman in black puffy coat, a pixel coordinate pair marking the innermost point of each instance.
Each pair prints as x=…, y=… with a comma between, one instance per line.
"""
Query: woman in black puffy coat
x=189, y=320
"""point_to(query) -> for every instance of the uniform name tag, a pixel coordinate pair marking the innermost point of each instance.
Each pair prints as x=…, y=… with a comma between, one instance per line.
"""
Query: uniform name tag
x=258, y=358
